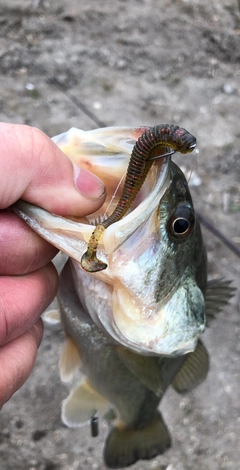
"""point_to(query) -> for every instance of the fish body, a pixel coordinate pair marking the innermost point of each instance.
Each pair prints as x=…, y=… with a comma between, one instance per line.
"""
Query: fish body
x=133, y=329
x=131, y=384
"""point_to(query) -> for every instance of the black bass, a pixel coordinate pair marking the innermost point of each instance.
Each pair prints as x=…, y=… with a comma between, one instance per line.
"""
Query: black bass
x=129, y=383
x=134, y=327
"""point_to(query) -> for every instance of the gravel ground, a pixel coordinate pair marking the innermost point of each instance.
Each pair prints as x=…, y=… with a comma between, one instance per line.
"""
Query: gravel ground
x=133, y=63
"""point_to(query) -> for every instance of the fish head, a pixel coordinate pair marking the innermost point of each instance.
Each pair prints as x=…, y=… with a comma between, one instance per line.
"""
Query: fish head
x=150, y=299
x=160, y=277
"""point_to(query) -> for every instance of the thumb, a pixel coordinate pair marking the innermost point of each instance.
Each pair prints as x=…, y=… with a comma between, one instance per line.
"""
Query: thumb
x=35, y=169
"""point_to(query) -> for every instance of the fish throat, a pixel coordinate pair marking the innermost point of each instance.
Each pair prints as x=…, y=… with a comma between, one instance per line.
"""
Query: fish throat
x=151, y=145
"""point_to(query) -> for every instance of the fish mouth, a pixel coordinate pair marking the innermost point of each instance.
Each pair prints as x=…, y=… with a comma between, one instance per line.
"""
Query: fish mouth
x=105, y=152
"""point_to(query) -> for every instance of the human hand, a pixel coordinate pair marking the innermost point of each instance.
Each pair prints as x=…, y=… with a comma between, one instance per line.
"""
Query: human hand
x=33, y=168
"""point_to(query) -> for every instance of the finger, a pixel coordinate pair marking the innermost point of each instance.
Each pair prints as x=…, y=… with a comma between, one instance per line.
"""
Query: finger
x=22, y=250
x=23, y=299
x=34, y=168
x=17, y=359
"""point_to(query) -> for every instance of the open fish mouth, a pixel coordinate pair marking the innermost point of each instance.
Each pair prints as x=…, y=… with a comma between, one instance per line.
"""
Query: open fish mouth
x=126, y=300
x=105, y=152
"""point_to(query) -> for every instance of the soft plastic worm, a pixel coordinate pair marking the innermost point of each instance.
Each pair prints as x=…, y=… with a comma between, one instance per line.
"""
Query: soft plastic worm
x=143, y=154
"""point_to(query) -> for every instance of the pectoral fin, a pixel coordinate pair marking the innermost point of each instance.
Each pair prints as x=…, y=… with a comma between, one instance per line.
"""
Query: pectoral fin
x=80, y=405
x=69, y=361
x=146, y=368
x=217, y=296
x=193, y=371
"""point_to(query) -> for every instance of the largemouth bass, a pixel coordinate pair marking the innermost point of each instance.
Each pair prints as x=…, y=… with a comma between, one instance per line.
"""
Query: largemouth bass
x=129, y=383
x=134, y=328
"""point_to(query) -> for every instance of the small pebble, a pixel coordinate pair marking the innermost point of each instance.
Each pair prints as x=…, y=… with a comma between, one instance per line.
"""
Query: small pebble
x=228, y=89
x=30, y=87
x=38, y=434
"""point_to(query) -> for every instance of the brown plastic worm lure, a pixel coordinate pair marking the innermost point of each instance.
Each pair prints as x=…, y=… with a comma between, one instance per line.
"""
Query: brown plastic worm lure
x=144, y=152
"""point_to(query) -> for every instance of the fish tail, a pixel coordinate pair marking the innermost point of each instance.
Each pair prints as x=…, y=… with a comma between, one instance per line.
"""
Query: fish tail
x=125, y=446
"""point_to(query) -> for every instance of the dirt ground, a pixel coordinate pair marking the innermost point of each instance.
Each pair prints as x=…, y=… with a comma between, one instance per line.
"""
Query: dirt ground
x=134, y=63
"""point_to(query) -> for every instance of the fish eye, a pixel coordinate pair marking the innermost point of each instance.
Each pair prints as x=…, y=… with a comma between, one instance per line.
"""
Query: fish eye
x=181, y=222
x=180, y=226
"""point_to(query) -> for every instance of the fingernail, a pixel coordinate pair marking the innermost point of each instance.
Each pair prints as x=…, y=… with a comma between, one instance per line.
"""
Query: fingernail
x=88, y=184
